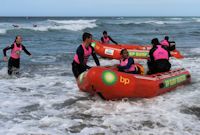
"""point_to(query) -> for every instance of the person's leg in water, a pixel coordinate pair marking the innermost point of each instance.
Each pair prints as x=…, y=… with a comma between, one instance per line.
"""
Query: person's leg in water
x=13, y=66
x=15, y=71
x=77, y=70
x=17, y=66
x=10, y=66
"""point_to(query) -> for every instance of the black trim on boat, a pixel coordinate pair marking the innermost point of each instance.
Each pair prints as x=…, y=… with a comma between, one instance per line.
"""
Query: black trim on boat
x=161, y=85
x=99, y=93
x=188, y=76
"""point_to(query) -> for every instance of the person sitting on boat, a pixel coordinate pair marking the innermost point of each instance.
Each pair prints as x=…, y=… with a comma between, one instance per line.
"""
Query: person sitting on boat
x=168, y=44
x=83, y=52
x=106, y=38
x=127, y=63
x=159, y=58
x=165, y=41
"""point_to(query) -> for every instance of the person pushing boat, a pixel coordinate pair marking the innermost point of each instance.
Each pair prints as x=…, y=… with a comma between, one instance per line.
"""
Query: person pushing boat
x=83, y=52
x=106, y=38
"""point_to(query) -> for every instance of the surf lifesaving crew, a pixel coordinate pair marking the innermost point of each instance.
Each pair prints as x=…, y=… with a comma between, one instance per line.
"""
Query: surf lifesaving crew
x=127, y=63
x=106, y=38
x=158, y=58
x=171, y=45
x=83, y=52
x=165, y=41
x=14, y=61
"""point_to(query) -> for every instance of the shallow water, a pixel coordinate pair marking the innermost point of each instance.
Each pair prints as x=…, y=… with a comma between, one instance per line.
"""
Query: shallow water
x=45, y=99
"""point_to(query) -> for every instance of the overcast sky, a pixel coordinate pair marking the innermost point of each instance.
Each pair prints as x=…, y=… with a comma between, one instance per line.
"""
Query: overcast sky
x=100, y=8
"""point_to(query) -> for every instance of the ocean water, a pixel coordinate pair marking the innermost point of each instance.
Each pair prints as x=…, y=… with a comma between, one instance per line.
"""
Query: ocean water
x=45, y=99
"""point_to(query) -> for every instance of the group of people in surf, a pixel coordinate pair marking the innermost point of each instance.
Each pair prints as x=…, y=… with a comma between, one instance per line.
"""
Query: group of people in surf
x=158, y=56
x=158, y=60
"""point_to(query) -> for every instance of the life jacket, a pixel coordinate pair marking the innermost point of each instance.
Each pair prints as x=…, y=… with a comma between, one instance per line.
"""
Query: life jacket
x=87, y=53
x=106, y=40
x=124, y=63
x=15, y=53
x=160, y=53
x=165, y=43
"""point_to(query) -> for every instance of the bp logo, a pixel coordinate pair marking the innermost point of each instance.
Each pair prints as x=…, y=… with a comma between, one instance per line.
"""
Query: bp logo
x=93, y=44
x=109, y=77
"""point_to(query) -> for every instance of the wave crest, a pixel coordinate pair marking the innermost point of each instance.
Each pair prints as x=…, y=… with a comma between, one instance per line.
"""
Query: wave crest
x=73, y=25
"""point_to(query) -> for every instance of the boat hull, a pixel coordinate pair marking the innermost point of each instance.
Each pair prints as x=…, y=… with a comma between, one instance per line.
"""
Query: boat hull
x=111, y=84
x=136, y=51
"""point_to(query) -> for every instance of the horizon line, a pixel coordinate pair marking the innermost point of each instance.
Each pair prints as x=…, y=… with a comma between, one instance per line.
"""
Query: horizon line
x=99, y=16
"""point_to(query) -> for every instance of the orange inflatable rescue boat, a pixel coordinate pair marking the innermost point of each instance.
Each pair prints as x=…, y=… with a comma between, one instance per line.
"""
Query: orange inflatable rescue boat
x=111, y=84
x=137, y=51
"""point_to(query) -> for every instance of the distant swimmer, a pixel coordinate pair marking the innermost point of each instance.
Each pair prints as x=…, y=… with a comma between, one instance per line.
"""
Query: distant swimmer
x=34, y=25
x=83, y=52
x=106, y=38
x=15, y=25
x=14, y=60
x=55, y=24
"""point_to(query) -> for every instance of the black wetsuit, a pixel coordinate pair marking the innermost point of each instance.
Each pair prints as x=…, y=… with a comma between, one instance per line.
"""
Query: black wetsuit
x=77, y=69
x=102, y=40
x=12, y=62
x=156, y=66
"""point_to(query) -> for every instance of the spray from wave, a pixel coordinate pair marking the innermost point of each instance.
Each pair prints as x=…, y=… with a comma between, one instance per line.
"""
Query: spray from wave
x=74, y=25
x=196, y=19
x=2, y=31
x=159, y=21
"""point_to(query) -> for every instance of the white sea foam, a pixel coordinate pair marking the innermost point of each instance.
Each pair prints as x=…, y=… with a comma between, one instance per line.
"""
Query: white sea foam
x=3, y=31
x=73, y=25
x=196, y=19
x=4, y=27
x=159, y=22
x=44, y=59
x=166, y=22
x=52, y=104
x=155, y=21
x=176, y=19
x=73, y=21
